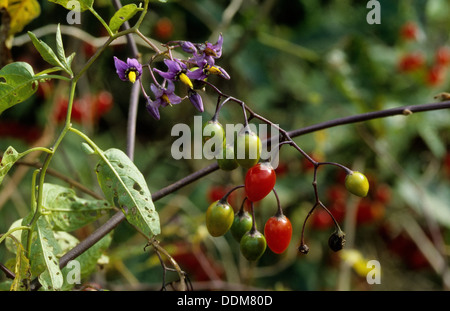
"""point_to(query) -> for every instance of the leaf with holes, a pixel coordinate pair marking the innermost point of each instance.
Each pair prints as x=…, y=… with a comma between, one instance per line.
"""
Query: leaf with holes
x=21, y=268
x=67, y=212
x=125, y=187
x=17, y=83
x=9, y=158
x=87, y=261
x=122, y=15
x=43, y=256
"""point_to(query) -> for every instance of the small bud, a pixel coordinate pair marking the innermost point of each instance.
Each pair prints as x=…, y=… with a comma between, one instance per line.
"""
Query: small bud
x=196, y=100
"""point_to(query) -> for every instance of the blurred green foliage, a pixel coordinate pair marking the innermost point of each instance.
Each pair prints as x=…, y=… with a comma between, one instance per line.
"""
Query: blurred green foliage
x=297, y=63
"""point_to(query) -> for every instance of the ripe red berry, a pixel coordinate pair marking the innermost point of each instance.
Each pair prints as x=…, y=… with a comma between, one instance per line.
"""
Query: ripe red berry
x=436, y=75
x=278, y=233
x=259, y=181
x=442, y=56
x=409, y=31
x=411, y=61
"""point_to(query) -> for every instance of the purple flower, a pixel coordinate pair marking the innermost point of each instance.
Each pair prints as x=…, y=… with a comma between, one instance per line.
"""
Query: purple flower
x=196, y=100
x=152, y=108
x=165, y=96
x=177, y=70
x=210, y=51
x=204, y=69
x=129, y=71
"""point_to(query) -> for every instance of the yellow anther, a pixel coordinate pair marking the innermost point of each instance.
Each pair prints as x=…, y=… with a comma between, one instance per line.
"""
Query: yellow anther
x=185, y=79
x=214, y=70
x=132, y=76
x=165, y=98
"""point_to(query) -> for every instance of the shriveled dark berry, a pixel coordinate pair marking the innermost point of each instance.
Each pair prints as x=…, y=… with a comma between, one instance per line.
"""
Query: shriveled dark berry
x=337, y=241
x=304, y=249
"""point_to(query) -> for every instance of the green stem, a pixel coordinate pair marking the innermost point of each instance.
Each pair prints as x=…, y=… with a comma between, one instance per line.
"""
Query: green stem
x=35, y=149
x=41, y=76
x=34, y=210
x=101, y=20
x=4, y=236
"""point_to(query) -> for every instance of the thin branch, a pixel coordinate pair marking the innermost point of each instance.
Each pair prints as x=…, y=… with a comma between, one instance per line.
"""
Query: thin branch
x=117, y=218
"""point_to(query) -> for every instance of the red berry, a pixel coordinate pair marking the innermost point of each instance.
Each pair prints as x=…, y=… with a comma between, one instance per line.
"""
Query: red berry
x=259, y=181
x=103, y=103
x=411, y=62
x=278, y=233
x=436, y=75
x=164, y=28
x=442, y=56
x=409, y=31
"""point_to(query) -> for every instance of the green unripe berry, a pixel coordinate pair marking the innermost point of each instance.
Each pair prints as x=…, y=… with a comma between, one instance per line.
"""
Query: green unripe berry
x=252, y=245
x=228, y=161
x=219, y=218
x=247, y=148
x=241, y=225
x=213, y=138
x=357, y=183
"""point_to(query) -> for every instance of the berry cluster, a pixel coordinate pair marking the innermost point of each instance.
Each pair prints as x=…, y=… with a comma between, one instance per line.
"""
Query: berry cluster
x=243, y=149
x=434, y=72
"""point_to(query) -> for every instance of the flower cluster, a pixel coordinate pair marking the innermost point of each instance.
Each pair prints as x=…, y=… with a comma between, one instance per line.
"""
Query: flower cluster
x=197, y=67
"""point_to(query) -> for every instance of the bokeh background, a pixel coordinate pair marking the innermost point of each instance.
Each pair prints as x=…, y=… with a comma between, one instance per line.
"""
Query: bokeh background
x=298, y=63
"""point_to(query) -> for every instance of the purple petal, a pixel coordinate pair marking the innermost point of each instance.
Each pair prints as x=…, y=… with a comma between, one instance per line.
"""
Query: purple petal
x=152, y=108
x=224, y=74
x=196, y=100
x=173, y=66
x=121, y=68
x=189, y=47
x=156, y=90
x=218, y=46
x=133, y=63
x=170, y=87
x=166, y=75
x=197, y=74
x=174, y=99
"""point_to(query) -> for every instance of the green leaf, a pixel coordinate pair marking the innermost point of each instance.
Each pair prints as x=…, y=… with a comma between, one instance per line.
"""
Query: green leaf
x=69, y=60
x=10, y=244
x=9, y=158
x=60, y=51
x=122, y=15
x=67, y=212
x=125, y=187
x=46, y=52
x=87, y=261
x=68, y=4
x=17, y=83
x=21, y=268
x=43, y=256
